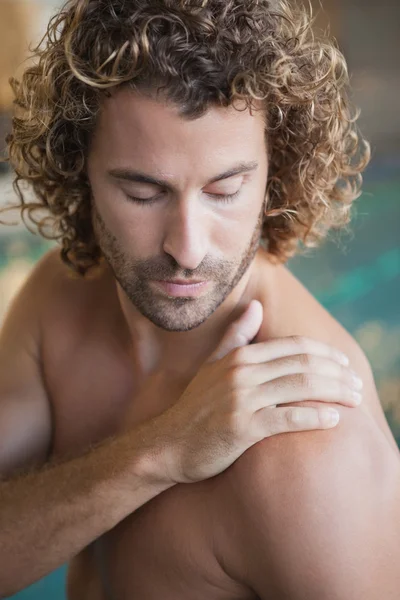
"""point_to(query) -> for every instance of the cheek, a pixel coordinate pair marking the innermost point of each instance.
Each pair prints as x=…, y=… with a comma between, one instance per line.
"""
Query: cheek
x=232, y=232
x=135, y=228
x=139, y=229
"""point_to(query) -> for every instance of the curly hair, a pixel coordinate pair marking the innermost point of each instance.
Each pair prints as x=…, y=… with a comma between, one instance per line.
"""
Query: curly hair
x=200, y=53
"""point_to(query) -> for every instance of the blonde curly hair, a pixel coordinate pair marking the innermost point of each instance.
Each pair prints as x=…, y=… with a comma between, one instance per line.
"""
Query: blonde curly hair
x=200, y=53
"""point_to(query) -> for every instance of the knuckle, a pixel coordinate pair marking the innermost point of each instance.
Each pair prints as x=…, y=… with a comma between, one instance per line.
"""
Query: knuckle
x=235, y=422
x=238, y=355
x=235, y=376
x=305, y=360
x=305, y=381
x=300, y=342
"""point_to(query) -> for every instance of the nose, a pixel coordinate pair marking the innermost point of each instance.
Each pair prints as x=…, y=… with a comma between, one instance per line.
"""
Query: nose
x=186, y=233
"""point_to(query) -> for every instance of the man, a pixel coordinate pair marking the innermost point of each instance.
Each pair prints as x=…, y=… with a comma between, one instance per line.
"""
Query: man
x=166, y=141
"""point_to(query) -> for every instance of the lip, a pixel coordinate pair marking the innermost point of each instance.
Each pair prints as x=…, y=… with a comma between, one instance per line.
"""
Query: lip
x=183, y=281
x=177, y=290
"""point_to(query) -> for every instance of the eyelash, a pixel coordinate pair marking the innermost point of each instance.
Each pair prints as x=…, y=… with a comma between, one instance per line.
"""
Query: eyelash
x=225, y=199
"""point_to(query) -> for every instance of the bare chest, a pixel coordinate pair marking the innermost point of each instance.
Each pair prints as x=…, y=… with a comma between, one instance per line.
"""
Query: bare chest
x=167, y=547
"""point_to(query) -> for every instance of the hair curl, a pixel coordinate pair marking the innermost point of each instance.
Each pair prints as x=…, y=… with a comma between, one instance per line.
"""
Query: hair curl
x=200, y=52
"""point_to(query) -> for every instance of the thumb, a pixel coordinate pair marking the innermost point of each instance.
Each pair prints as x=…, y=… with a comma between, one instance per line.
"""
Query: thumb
x=241, y=331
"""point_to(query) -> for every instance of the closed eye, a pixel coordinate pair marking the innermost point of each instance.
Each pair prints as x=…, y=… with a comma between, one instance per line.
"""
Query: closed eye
x=224, y=198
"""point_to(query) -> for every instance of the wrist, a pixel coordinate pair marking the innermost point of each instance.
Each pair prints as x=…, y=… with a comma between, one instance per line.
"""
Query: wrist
x=131, y=475
x=153, y=456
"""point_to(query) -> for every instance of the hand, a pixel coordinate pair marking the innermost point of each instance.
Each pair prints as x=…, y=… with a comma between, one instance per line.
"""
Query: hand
x=232, y=402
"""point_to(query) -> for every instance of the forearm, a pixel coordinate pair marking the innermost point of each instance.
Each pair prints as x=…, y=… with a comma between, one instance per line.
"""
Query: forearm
x=49, y=516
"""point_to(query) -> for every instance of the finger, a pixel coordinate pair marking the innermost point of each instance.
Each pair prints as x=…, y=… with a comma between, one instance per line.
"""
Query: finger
x=272, y=421
x=240, y=332
x=290, y=346
x=300, y=387
x=257, y=374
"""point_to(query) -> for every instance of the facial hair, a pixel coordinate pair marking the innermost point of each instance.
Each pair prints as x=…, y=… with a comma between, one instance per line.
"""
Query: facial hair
x=169, y=313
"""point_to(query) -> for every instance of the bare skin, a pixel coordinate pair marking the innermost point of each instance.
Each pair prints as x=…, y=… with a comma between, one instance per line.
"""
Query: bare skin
x=178, y=531
x=116, y=354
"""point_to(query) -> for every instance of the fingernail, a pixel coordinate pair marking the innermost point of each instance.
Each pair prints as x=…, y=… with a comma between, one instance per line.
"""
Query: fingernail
x=330, y=417
x=356, y=381
x=357, y=398
x=343, y=359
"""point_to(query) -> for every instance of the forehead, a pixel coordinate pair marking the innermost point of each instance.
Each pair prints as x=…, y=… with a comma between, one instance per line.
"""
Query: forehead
x=138, y=126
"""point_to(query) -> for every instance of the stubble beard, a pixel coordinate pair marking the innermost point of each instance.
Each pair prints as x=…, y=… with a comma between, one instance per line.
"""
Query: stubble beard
x=168, y=313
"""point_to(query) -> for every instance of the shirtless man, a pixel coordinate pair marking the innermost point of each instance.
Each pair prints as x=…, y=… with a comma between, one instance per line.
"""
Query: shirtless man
x=146, y=413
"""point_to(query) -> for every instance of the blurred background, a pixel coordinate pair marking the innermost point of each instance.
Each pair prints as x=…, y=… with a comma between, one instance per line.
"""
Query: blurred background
x=356, y=276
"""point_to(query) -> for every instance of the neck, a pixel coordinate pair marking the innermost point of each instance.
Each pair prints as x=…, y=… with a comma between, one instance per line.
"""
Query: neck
x=182, y=353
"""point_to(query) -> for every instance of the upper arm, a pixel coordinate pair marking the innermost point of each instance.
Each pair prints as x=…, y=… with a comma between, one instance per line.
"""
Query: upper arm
x=25, y=413
x=317, y=511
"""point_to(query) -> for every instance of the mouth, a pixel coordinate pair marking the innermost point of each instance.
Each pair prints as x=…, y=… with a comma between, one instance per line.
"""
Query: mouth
x=183, y=281
x=181, y=288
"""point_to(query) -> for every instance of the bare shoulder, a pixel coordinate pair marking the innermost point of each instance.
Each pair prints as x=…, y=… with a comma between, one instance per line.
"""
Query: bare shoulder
x=314, y=511
x=305, y=504
x=291, y=310
x=26, y=313
x=67, y=303
x=56, y=281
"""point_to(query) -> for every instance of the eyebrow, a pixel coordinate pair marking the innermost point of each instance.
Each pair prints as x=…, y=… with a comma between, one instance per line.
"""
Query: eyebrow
x=135, y=176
